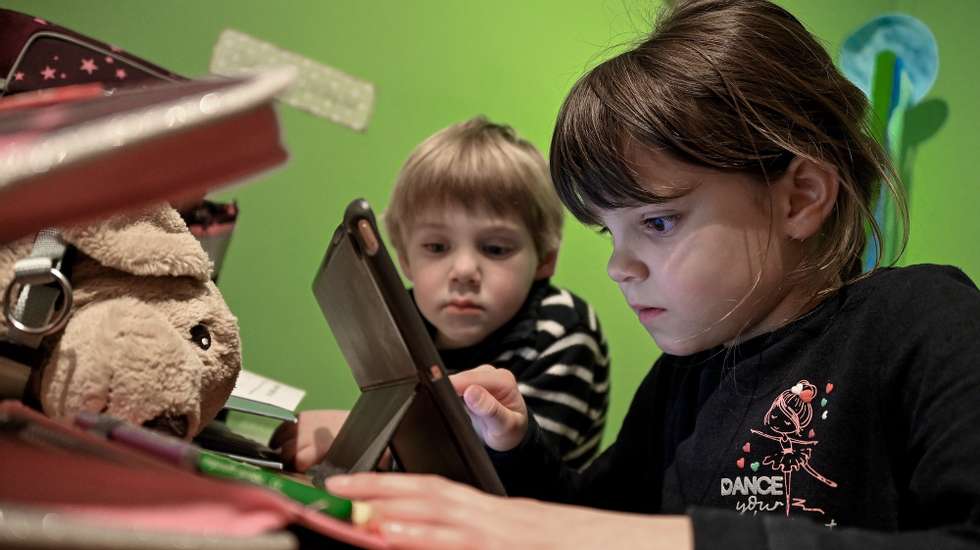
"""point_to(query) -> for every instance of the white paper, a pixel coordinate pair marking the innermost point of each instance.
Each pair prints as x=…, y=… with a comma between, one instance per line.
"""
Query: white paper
x=266, y=390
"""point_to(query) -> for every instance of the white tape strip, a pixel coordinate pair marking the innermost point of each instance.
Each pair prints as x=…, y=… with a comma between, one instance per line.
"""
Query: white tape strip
x=318, y=88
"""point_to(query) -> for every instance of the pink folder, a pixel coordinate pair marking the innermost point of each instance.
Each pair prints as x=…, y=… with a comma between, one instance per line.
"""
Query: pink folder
x=48, y=465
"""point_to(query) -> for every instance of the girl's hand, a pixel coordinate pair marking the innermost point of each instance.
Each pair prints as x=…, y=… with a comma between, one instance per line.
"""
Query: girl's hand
x=423, y=511
x=494, y=404
x=305, y=442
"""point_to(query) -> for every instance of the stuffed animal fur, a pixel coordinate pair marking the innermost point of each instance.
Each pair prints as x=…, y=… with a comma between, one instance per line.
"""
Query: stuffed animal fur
x=150, y=338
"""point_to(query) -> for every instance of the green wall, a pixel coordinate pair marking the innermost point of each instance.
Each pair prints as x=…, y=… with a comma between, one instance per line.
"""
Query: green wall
x=438, y=62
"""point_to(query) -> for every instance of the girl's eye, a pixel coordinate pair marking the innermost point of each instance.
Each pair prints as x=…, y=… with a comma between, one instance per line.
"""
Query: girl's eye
x=605, y=233
x=661, y=224
x=435, y=248
x=497, y=250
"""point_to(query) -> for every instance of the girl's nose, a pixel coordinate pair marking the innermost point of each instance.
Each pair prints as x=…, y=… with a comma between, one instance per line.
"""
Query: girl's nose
x=625, y=267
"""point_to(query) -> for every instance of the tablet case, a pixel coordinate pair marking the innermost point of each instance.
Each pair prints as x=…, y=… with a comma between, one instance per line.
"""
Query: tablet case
x=407, y=400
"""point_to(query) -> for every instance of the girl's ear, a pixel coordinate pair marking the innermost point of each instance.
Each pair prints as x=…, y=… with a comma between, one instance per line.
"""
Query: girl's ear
x=808, y=193
x=403, y=263
x=547, y=266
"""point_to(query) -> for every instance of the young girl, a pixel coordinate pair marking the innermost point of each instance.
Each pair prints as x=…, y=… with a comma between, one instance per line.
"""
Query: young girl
x=798, y=403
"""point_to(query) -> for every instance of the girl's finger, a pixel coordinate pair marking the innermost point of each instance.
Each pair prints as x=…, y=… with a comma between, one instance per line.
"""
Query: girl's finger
x=413, y=511
x=410, y=536
x=369, y=485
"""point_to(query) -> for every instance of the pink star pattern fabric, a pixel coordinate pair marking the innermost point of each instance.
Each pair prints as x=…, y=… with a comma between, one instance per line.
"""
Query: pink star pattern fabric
x=89, y=66
x=38, y=54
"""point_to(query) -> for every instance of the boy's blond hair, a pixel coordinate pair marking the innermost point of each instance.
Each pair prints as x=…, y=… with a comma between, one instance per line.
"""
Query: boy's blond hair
x=484, y=168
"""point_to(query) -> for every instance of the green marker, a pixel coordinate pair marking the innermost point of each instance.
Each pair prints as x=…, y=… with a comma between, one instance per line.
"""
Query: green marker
x=218, y=466
x=188, y=456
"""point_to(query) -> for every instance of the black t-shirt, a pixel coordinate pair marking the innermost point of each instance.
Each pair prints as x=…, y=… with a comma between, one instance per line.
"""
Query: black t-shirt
x=860, y=421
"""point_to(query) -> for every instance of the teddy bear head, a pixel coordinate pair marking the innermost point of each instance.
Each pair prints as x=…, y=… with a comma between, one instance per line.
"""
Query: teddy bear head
x=150, y=338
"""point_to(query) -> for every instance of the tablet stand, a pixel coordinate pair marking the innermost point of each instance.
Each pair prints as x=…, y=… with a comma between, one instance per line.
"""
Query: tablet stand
x=377, y=412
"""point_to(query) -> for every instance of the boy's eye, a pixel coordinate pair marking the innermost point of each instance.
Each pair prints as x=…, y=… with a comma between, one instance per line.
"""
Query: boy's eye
x=497, y=250
x=435, y=248
x=661, y=224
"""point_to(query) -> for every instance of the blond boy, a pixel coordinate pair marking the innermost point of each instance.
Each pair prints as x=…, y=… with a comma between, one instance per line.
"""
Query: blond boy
x=476, y=225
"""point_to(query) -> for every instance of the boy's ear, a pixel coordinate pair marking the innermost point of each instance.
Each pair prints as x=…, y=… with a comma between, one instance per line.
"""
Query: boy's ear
x=547, y=266
x=403, y=263
x=807, y=193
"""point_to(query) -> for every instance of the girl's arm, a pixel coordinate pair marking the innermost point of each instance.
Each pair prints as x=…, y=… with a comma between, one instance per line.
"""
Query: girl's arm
x=419, y=511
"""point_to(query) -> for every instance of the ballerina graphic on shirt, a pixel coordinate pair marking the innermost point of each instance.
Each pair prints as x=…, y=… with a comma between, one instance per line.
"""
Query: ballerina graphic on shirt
x=790, y=413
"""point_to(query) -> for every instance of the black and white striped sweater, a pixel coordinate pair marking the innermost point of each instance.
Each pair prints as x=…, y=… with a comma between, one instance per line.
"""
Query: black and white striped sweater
x=555, y=348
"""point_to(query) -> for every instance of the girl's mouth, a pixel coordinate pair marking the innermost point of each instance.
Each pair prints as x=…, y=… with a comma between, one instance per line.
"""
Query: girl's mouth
x=647, y=314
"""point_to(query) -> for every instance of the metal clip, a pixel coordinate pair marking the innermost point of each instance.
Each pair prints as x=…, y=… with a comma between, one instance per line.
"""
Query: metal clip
x=59, y=317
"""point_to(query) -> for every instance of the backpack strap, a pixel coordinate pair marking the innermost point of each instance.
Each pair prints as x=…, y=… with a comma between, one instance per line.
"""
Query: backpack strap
x=39, y=281
x=32, y=312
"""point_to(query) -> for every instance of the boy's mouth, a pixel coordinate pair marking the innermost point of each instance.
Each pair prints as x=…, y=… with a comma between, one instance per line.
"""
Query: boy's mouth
x=462, y=306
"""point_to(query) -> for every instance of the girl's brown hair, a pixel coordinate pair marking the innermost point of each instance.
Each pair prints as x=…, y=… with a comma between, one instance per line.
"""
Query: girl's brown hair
x=734, y=85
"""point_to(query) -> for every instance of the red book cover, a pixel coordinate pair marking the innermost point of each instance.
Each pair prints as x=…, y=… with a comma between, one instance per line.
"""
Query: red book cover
x=86, y=153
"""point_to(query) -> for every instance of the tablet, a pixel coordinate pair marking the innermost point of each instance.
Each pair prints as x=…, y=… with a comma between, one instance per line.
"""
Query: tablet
x=407, y=402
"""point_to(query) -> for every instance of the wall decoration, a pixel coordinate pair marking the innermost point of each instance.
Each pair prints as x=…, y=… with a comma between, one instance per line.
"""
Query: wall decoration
x=894, y=59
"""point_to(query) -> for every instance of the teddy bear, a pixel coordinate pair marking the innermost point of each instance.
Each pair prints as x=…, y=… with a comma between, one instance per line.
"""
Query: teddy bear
x=150, y=339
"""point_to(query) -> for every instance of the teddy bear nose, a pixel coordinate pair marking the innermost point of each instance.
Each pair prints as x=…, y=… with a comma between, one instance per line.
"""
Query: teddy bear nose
x=173, y=425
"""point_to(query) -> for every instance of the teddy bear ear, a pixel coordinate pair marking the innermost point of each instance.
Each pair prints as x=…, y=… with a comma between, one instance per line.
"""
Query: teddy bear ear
x=154, y=242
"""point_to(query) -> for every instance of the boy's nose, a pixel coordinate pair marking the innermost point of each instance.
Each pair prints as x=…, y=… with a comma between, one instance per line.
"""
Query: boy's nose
x=624, y=267
x=465, y=269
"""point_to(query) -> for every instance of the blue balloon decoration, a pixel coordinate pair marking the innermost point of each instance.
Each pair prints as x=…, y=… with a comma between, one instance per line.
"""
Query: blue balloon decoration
x=911, y=41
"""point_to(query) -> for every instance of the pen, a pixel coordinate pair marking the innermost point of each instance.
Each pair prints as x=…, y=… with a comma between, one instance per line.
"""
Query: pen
x=189, y=456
